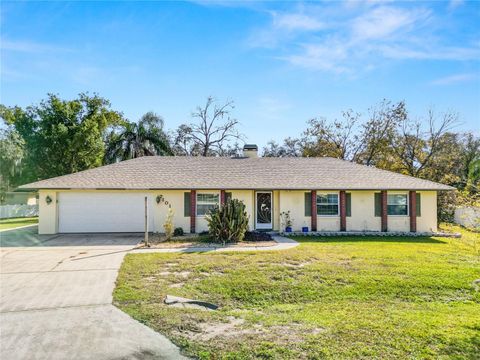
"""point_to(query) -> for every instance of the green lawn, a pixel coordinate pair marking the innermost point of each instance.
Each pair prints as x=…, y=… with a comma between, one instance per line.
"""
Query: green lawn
x=17, y=222
x=328, y=298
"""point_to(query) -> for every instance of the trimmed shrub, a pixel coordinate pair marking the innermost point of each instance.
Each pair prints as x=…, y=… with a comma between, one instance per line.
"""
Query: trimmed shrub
x=228, y=223
x=178, y=231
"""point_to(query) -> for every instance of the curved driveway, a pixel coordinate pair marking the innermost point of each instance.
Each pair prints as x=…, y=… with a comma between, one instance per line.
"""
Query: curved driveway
x=56, y=300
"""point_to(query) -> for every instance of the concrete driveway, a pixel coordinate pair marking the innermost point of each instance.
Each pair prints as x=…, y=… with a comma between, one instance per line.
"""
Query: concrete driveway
x=56, y=296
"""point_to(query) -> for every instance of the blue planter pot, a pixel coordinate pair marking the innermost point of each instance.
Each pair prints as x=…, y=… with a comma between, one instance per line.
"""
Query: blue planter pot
x=288, y=229
x=305, y=229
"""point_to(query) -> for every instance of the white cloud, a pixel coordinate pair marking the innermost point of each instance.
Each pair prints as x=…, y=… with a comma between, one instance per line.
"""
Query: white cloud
x=454, y=79
x=430, y=53
x=384, y=21
x=283, y=28
x=296, y=22
x=355, y=40
x=329, y=56
x=29, y=47
x=453, y=4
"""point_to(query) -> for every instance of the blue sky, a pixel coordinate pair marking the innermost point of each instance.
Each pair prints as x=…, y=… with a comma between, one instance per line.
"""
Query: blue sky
x=281, y=62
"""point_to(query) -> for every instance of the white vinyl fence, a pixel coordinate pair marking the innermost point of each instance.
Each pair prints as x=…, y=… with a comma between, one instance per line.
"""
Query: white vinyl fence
x=12, y=211
x=468, y=217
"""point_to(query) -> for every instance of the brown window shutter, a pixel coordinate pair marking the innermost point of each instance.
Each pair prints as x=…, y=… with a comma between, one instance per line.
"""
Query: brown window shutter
x=186, y=204
x=419, y=205
x=349, y=204
x=378, y=204
x=308, y=204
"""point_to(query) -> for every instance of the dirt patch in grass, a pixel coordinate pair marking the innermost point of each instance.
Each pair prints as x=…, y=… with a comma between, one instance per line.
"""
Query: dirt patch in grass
x=334, y=300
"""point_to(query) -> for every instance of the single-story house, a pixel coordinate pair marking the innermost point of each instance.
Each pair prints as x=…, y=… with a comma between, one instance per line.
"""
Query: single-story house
x=323, y=194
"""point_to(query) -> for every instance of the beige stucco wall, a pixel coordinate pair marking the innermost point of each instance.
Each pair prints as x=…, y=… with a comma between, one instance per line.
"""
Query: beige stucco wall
x=428, y=219
x=47, y=213
x=276, y=210
x=294, y=201
x=248, y=198
x=363, y=211
x=175, y=199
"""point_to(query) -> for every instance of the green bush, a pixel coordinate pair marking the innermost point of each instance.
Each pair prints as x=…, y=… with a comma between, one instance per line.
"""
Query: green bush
x=228, y=223
x=178, y=231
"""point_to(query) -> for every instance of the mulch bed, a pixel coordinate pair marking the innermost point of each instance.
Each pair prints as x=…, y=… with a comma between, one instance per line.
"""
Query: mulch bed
x=201, y=244
x=158, y=241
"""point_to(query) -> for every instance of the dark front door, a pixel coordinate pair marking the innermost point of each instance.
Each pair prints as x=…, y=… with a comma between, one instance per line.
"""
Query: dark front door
x=264, y=210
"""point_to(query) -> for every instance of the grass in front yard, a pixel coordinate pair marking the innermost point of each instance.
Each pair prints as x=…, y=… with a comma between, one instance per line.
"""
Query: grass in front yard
x=17, y=222
x=328, y=298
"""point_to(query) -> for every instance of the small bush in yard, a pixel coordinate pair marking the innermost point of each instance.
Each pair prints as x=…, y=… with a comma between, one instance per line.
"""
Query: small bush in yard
x=178, y=231
x=228, y=223
x=168, y=225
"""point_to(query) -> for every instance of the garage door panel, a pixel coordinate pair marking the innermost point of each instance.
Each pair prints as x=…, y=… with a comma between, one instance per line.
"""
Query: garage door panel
x=102, y=212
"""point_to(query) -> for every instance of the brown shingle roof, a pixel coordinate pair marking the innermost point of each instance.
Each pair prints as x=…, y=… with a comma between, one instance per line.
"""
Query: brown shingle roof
x=157, y=172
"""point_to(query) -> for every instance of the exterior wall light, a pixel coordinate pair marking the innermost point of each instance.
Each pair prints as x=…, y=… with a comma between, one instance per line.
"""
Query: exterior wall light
x=48, y=199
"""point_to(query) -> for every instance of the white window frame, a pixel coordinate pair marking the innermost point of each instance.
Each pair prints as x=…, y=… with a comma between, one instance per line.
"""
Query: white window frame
x=198, y=202
x=317, y=203
x=408, y=205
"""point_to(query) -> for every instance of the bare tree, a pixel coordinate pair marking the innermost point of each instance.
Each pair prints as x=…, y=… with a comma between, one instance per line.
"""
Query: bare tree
x=416, y=147
x=213, y=132
x=337, y=139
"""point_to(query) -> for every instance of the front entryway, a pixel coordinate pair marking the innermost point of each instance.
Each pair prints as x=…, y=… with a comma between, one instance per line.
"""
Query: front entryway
x=263, y=213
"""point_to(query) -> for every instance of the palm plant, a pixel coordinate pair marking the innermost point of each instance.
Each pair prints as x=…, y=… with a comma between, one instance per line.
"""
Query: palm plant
x=145, y=138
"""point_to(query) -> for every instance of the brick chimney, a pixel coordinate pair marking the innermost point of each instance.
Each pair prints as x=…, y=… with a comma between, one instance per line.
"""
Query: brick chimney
x=250, y=150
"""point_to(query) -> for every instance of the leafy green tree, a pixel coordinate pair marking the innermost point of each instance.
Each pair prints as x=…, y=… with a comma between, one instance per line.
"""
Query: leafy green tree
x=365, y=140
x=291, y=147
x=132, y=140
x=11, y=156
x=416, y=147
x=61, y=136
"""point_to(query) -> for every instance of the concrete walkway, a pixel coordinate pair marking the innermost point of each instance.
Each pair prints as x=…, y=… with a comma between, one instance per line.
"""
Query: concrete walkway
x=56, y=300
x=56, y=297
x=283, y=243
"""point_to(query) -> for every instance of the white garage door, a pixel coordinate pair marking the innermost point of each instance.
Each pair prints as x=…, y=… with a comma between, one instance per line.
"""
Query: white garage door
x=102, y=212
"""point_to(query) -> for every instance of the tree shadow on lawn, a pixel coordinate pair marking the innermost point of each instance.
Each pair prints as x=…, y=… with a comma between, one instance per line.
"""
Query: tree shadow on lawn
x=466, y=348
x=353, y=238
